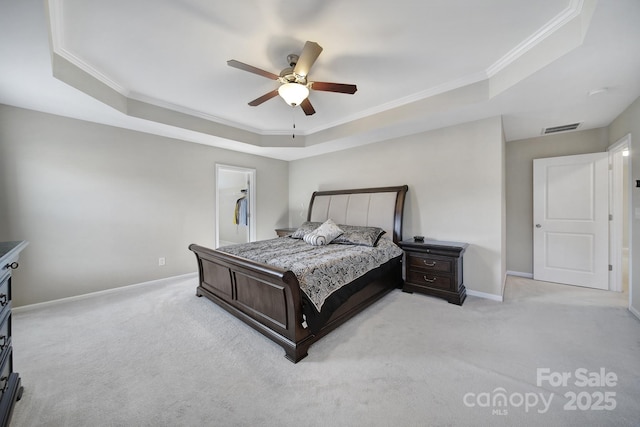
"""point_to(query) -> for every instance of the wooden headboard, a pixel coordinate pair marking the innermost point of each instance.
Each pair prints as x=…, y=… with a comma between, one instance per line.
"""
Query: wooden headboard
x=374, y=207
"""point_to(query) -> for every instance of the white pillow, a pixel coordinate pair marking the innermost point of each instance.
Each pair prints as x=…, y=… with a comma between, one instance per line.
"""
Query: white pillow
x=324, y=234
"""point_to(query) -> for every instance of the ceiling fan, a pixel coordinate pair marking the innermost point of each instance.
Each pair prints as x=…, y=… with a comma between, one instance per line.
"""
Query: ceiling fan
x=295, y=86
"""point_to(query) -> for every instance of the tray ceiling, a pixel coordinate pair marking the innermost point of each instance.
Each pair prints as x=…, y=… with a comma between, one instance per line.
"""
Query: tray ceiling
x=160, y=66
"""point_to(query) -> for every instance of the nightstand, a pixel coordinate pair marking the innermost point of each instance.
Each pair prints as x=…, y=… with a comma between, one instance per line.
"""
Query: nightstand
x=434, y=267
x=281, y=232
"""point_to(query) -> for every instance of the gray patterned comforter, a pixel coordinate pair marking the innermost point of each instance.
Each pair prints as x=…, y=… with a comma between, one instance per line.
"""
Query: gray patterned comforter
x=321, y=270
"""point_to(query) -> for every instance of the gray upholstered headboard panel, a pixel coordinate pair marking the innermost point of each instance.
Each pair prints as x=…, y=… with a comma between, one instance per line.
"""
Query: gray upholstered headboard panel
x=375, y=207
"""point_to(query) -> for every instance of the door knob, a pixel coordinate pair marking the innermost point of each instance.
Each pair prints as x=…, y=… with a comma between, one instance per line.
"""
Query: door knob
x=538, y=226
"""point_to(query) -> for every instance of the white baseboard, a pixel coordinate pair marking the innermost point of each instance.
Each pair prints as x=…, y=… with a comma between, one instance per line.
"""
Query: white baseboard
x=634, y=312
x=157, y=282
x=484, y=295
x=520, y=274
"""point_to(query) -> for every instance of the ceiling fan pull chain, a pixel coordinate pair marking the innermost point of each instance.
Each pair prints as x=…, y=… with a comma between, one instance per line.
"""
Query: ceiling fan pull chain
x=293, y=119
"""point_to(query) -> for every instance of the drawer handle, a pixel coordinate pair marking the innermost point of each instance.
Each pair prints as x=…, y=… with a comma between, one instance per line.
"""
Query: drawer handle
x=3, y=299
x=3, y=342
x=431, y=264
x=426, y=279
x=13, y=265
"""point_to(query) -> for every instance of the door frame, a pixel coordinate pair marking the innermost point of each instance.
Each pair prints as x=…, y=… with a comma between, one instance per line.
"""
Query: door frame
x=616, y=207
x=251, y=208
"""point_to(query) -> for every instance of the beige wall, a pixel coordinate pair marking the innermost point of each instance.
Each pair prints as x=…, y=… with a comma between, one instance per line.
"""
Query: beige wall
x=456, y=189
x=519, y=183
x=629, y=123
x=99, y=205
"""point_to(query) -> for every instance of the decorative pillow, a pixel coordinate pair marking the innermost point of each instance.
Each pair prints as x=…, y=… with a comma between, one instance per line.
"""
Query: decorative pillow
x=324, y=234
x=359, y=235
x=305, y=228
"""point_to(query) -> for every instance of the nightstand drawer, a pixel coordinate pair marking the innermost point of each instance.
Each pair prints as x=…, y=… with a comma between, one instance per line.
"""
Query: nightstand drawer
x=429, y=279
x=444, y=265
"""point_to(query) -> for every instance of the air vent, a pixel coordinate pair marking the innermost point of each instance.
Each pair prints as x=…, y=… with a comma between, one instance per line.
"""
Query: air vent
x=563, y=128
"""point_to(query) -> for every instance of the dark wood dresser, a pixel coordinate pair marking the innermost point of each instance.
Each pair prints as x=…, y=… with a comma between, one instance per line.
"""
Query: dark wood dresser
x=10, y=384
x=434, y=267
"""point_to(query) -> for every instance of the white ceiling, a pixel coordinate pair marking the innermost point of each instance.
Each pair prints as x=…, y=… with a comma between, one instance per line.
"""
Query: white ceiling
x=159, y=66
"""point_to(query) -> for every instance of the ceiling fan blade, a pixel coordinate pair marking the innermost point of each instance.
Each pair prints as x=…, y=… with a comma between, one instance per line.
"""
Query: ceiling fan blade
x=263, y=98
x=250, y=68
x=309, y=54
x=334, y=87
x=307, y=107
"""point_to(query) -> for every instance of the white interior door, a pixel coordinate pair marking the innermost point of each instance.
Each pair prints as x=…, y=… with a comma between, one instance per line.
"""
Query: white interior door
x=571, y=220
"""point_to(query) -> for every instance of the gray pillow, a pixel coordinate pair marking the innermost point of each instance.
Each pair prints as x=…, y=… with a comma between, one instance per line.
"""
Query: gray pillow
x=359, y=235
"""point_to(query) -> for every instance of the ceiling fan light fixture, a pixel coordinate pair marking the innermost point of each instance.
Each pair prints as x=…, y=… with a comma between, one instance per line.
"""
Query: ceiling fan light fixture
x=293, y=93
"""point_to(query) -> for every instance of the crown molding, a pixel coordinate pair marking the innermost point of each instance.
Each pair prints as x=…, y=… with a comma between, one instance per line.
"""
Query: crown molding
x=573, y=10
x=400, y=102
x=55, y=11
x=56, y=20
x=567, y=15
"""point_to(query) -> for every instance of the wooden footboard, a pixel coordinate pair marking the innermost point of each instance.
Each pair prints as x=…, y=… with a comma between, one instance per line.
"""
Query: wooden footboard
x=269, y=299
x=266, y=298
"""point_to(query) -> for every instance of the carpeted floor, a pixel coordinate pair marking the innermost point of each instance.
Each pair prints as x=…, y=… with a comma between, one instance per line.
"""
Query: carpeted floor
x=156, y=355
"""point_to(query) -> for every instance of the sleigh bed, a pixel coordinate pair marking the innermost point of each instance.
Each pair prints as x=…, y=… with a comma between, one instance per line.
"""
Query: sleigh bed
x=270, y=298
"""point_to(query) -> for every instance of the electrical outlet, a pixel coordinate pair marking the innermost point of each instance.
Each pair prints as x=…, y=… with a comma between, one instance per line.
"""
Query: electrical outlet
x=161, y=261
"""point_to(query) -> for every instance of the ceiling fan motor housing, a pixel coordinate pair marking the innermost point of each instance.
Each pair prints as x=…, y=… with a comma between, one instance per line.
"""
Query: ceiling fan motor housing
x=288, y=76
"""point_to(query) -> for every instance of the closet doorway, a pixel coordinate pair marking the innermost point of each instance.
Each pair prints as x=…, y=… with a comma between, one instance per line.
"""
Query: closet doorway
x=235, y=205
